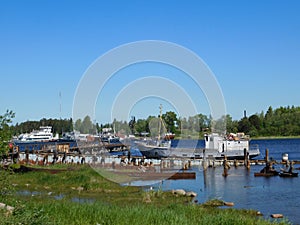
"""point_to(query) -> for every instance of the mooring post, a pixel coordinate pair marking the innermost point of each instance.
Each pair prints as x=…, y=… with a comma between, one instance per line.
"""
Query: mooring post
x=204, y=161
x=226, y=166
x=27, y=156
x=248, y=161
x=245, y=156
x=267, y=155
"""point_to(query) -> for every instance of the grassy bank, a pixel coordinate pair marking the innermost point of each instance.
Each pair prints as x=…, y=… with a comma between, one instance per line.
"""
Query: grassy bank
x=53, y=199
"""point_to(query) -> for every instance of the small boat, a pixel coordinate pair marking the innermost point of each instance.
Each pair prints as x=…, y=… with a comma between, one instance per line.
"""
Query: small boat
x=269, y=174
x=288, y=174
x=267, y=171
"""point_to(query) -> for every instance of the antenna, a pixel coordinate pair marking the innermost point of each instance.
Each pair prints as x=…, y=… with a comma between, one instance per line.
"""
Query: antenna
x=60, y=104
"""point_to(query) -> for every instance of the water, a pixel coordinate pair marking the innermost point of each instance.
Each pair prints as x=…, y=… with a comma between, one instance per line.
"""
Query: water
x=268, y=195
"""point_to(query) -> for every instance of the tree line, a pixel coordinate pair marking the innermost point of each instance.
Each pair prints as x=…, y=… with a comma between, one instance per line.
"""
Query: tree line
x=282, y=121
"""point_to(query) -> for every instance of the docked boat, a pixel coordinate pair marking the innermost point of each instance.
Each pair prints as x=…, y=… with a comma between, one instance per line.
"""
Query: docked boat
x=267, y=171
x=43, y=134
x=154, y=148
x=233, y=146
x=158, y=147
x=109, y=136
x=288, y=174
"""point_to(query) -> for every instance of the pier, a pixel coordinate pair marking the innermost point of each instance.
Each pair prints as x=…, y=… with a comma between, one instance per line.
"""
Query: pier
x=99, y=154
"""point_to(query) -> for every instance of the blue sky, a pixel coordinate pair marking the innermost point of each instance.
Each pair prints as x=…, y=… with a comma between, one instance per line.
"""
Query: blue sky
x=252, y=47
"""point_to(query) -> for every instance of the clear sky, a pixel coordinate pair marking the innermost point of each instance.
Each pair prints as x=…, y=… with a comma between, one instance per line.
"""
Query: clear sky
x=252, y=47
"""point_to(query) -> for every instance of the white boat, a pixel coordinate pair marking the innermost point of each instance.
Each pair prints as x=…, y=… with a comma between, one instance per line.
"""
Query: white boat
x=233, y=146
x=108, y=136
x=43, y=134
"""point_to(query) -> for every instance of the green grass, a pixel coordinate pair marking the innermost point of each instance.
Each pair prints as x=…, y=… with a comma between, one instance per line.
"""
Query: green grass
x=66, y=212
x=112, y=204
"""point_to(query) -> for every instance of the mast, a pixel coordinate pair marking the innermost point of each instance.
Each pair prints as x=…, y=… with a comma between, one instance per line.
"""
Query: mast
x=160, y=121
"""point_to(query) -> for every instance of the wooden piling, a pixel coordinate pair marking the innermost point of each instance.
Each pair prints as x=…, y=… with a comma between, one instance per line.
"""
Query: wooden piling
x=27, y=156
x=204, y=161
x=267, y=155
x=226, y=166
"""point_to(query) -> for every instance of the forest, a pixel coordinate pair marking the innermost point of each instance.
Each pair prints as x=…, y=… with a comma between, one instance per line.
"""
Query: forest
x=282, y=121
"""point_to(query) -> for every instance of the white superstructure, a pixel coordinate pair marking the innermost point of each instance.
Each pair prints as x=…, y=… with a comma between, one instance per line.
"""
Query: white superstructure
x=43, y=134
x=231, y=142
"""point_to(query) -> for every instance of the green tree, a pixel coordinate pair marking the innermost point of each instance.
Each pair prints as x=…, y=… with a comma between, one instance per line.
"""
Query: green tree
x=141, y=125
x=5, y=131
x=244, y=125
x=87, y=126
x=255, y=121
x=170, y=118
x=231, y=125
x=77, y=125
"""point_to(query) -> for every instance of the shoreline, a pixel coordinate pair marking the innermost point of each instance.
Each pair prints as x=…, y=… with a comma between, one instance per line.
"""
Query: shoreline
x=275, y=137
x=92, y=197
x=252, y=138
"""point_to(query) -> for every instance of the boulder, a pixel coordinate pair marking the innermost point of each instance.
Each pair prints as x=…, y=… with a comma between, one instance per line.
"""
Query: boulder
x=228, y=203
x=277, y=216
x=191, y=194
x=179, y=192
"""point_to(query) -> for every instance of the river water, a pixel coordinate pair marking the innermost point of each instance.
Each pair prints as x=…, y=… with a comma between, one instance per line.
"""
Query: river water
x=268, y=195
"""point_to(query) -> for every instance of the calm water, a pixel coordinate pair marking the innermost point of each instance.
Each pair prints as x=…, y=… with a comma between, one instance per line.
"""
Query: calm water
x=268, y=195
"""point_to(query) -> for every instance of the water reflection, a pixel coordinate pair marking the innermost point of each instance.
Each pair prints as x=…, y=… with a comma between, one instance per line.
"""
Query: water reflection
x=266, y=194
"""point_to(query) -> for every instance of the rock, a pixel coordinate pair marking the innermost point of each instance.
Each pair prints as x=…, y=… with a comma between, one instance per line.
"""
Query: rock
x=258, y=213
x=2, y=205
x=7, y=207
x=277, y=216
x=80, y=189
x=179, y=192
x=10, y=208
x=190, y=194
x=228, y=203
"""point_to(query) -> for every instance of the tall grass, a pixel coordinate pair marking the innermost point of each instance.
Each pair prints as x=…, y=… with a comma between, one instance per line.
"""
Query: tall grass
x=65, y=212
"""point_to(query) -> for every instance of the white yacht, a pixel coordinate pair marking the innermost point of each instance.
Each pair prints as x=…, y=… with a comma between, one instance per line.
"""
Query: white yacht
x=43, y=134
